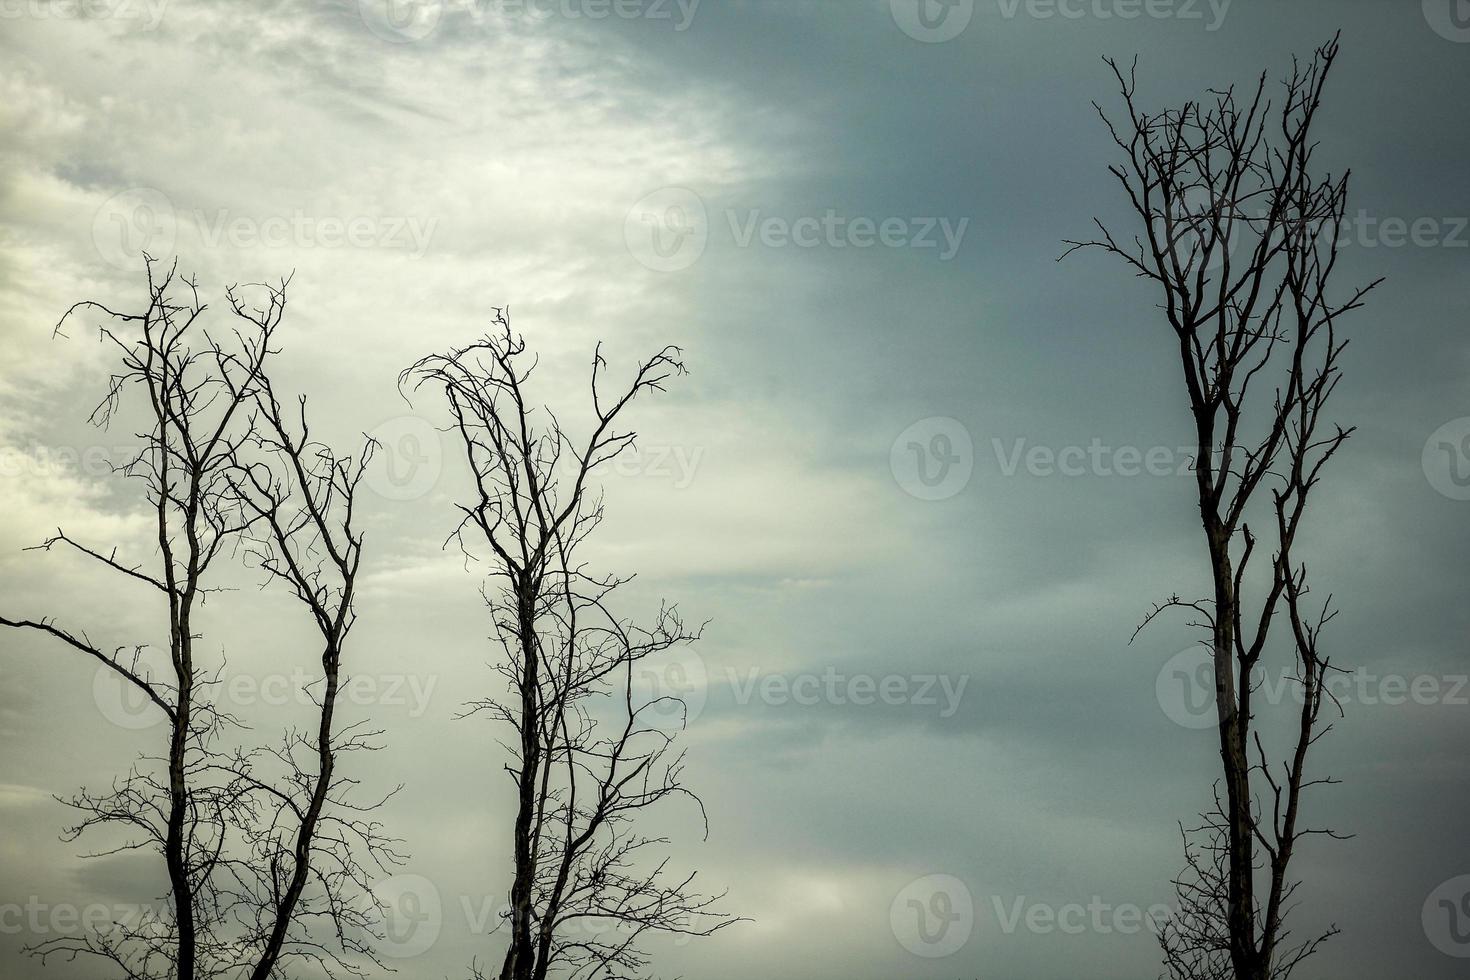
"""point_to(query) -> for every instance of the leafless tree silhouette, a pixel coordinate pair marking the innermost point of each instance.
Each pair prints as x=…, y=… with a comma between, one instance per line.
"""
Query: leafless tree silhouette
x=1196, y=939
x=267, y=855
x=1241, y=236
x=591, y=751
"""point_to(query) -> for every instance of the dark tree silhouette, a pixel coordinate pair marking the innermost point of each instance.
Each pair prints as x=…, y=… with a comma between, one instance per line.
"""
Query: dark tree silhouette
x=589, y=753
x=268, y=856
x=1240, y=235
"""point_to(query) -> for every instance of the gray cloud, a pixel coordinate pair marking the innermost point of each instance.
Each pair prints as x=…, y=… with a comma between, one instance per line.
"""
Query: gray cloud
x=520, y=144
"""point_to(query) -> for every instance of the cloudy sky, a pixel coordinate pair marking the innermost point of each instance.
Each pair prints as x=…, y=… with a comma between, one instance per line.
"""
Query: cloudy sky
x=848, y=215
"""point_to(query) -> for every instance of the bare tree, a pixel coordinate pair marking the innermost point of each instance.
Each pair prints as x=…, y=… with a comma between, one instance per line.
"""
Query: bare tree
x=1196, y=940
x=1241, y=236
x=301, y=496
x=267, y=857
x=590, y=752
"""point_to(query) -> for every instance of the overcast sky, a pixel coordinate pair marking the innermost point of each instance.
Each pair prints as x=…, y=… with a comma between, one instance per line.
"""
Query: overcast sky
x=848, y=215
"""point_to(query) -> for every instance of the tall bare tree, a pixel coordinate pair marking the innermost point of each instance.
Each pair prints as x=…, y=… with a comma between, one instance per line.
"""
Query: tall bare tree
x=1240, y=234
x=591, y=751
x=267, y=855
